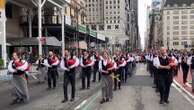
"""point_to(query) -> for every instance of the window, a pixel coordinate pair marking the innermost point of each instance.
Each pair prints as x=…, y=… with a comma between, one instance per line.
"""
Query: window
x=192, y=16
x=184, y=12
x=192, y=11
x=175, y=43
x=101, y=27
x=176, y=27
x=108, y=26
x=93, y=27
x=116, y=26
x=192, y=22
x=184, y=32
x=168, y=27
x=175, y=22
x=192, y=27
x=175, y=32
x=168, y=12
x=184, y=22
x=176, y=12
x=192, y=32
x=110, y=21
x=184, y=27
x=168, y=33
x=175, y=17
x=168, y=17
x=184, y=43
x=184, y=17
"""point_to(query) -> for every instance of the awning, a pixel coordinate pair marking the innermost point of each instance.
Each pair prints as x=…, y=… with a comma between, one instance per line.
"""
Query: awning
x=49, y=41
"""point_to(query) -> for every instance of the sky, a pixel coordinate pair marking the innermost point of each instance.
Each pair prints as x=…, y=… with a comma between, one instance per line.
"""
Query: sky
x=142, y=17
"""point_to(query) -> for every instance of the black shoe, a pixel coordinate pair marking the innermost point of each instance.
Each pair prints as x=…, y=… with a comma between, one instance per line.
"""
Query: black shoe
x=102, y=101
x=15, y=101
x=72, y=99
x=65, y=100
x=167, y=102
x=107, y=100
x=93, y=80
x=161, y=102
x=49, y=88
x=88, y=87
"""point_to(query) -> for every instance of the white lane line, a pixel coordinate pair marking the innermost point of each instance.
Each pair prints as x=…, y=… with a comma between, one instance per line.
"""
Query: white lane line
x=80, y=105
x=182, y=88
x=182, y=93
x=189, y=85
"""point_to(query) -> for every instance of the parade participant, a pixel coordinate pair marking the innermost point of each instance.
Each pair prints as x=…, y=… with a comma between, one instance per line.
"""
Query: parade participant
x=185, y=68
x=96, y=62
x=52, y=62
x=86, y=64
x=41, y=69
x=69, y=64
x=155, y=72
x=106, y=66
x=121, y=68
x=129, y=64
x=17, y=68
x=117, y=76
x=190, y=62
x=164, y=75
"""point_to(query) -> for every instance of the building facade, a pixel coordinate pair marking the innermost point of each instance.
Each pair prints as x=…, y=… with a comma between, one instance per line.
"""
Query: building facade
x=178, y=24
x=113, y=19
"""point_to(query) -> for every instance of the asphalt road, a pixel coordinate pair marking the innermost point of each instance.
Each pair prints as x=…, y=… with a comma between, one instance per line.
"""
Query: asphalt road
x=138, y=94
x=42, y=99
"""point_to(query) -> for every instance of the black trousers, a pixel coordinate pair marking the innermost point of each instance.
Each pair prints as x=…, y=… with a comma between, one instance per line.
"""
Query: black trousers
x=95, y=71
x=185, y=74
x=69, y=77
x=165, y=81
x=156, y=78
x=86, y=74
x=52, y=77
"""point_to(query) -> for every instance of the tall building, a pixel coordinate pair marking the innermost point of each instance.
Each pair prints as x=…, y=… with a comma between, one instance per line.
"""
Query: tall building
x=111, y=18
x=178, y=24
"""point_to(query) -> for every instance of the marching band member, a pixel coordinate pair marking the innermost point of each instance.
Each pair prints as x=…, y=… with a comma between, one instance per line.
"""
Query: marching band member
x=106, y=66
x=86, y=64
x=69, y=64
x=41, y=69
x=52, y=62
x=18, y=68
x=121, y=68
x=96, y=62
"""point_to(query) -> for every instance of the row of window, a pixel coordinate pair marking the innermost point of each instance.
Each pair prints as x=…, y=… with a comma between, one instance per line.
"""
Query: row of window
x=113, y=13
x=182, y=27
x=182, y=32
x=112, y=7
x=101, y=27
x=115, y=17
x=182, y=22
x=181, y=11
x=183, y=17
x=182, y=43
x=110, y=2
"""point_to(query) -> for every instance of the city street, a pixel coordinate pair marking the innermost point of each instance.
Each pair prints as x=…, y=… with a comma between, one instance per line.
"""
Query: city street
x=138, y=94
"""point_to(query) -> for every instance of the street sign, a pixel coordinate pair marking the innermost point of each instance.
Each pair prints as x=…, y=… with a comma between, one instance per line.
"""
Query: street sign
x=2, y=4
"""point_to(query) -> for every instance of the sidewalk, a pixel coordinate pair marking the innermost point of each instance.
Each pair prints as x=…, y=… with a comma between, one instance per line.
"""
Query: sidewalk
x=178, y=80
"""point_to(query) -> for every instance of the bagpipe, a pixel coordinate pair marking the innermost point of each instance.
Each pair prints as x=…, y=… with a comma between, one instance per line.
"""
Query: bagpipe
x=87, y=61
x=19, y=64
x=71, y=62
x=53, y=61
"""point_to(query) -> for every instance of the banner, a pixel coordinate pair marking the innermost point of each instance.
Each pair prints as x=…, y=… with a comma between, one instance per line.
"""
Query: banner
x=2, y=4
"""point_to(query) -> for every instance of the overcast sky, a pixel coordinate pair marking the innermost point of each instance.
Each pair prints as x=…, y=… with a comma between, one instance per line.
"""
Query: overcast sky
x=142, y=7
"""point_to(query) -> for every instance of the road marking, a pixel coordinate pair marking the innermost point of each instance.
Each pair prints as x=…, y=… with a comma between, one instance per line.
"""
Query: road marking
x=87, y=103
x=81, y=105
x=189, y=85
x=183, y=94
x=188, y=93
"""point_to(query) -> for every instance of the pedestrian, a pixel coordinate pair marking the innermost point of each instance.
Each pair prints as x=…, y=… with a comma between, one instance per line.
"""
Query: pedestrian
x=185, y=68
x=69, y=64
x=17, y=67
x=164, y=76
x=86, y=64
x=52, y=63
x=42, y=69
x=155, y=72
x=106, y=66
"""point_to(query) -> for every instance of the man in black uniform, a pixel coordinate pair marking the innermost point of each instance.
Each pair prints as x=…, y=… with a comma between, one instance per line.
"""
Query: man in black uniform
x=69, y=64
x=164, y=76
x=86, y=64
